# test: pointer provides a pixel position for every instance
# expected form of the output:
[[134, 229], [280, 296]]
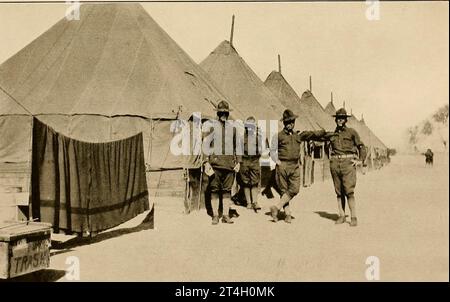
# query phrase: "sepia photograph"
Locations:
[[224, 142]]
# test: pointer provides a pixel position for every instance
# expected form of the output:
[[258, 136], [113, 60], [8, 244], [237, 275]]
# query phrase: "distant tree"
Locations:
[[412, 132], [441, 116], [427, 128]]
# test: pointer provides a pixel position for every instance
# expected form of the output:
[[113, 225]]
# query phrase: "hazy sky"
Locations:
[[394, 70]]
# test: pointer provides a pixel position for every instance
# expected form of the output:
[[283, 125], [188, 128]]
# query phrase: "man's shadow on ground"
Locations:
[[327, 215], [67, 246]]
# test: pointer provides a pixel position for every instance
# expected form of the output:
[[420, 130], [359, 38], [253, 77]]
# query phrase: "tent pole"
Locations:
[[200, 188], [310, 83], [30, 162], [323, 162], [232, 31], [110, 127], [201, 174], [279, 64], [187, 205]]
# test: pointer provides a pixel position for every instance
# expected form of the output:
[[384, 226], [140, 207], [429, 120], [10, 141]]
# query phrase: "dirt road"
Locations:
[[403, 220]]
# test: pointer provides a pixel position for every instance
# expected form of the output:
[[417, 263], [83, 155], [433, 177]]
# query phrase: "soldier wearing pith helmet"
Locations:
[[346, 152]]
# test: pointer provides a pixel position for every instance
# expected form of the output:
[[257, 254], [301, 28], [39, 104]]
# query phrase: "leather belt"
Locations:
[[337, 156]]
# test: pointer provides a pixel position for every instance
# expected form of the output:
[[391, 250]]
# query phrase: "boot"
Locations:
[[215, 220], [353, 222], [274, 213], [256, 206], [267, 192], [233, 213], [340, 220], [288, 219], [227, 219], [249, 206]]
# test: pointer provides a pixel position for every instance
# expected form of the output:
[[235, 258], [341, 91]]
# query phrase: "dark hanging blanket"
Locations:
[[79, 186]]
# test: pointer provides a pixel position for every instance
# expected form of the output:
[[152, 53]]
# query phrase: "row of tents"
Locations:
[[116, 72]]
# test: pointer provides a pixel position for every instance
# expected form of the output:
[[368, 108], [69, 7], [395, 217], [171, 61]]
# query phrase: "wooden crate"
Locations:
[[24, 248]]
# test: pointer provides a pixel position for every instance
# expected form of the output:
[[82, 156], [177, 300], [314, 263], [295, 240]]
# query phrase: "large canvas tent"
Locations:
[[330, 109], [377, 142], [278, 85], [318, 112], [379, 152], [321, 161], [110, 75], [240, 84]]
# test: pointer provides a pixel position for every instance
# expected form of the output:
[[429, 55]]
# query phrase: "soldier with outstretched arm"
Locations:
[[285, 152]]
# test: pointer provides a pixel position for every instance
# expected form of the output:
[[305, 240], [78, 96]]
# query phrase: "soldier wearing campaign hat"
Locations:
[[285, 152], [346, 152], [223, 167], [250, 170]]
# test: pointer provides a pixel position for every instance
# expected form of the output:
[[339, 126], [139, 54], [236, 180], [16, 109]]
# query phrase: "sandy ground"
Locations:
[[403, 215]]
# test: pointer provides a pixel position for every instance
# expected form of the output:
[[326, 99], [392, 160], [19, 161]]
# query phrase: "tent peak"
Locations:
[[307, 93], [330, 109], [224, 48], [274, 74]]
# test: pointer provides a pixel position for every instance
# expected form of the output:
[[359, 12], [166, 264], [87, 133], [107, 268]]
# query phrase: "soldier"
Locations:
[[223, 166], [428, 157], [250, 171], [285, 152], [346, 152]]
